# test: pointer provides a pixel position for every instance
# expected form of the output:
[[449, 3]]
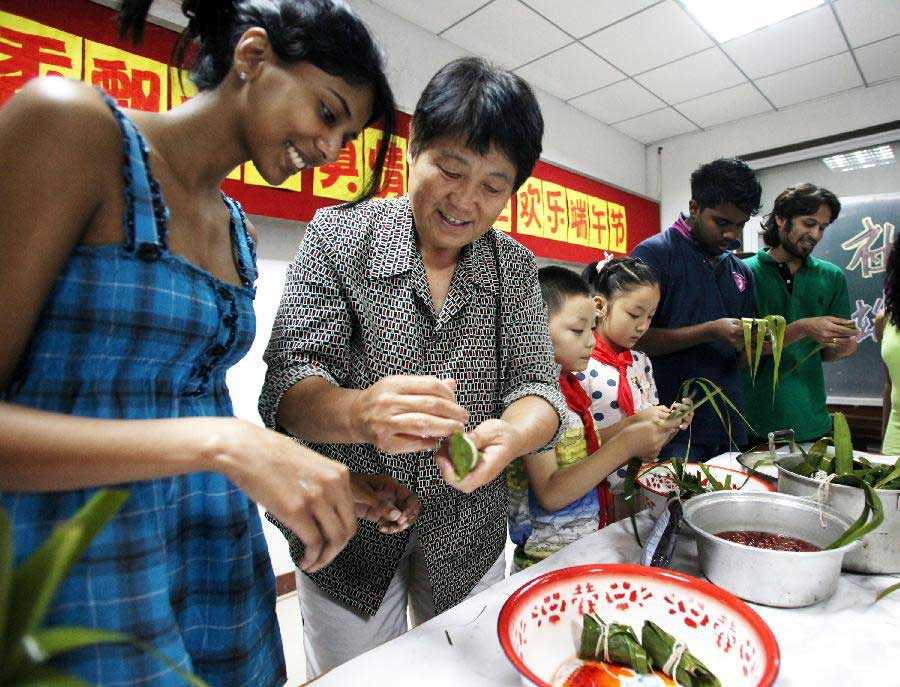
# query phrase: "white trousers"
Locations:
[[334, 633]]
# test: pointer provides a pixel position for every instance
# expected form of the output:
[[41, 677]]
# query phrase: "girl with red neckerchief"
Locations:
[[619, 380]]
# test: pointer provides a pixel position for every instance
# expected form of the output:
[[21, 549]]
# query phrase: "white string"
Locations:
[[678, 649], [822, 496], [602, 637]]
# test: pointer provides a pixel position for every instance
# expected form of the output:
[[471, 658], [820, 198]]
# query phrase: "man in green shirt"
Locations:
[[812, 296]]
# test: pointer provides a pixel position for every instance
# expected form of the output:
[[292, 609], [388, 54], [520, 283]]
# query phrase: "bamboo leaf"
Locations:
[[778, 325], [747, 326], [628, 488], [717, 391], [44, 644], [891, 476], [860, 527], [843, 446], [888, 590], [44, 676], [36, 580], [761, 330], [34, 590], [717, 486], [58, 640]]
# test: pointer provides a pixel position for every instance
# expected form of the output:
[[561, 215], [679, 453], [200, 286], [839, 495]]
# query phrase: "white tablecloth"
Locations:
[[846, 640]]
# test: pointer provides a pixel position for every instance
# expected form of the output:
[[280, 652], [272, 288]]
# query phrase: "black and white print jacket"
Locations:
[[356, 307]]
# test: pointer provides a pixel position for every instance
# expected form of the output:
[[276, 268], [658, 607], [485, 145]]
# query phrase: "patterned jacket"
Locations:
[[356, 308]]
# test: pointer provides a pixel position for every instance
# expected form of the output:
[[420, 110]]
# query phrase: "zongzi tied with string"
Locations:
[[612, 643], [672, 657]]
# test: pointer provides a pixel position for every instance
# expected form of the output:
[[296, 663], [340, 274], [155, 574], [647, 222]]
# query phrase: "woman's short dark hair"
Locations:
[[726, 180], [325, 33], [618, 274], [558, 284], [484, 106], [795, 201]]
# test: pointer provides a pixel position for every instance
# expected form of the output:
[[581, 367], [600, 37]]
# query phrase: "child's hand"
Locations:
[[660, 413], [687, 407], [647, 437]]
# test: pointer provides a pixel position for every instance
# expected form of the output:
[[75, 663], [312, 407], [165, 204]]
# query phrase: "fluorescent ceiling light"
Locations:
[[860, 159], [727, 19]]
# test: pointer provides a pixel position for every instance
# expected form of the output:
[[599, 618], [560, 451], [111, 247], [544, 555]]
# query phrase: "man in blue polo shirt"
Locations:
[[704, 291]]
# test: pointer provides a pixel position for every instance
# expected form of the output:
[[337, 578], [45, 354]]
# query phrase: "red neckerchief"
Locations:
[[579, 402], [620, 361]]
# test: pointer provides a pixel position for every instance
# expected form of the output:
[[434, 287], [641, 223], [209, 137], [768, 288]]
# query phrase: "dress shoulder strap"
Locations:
[[146, 216], [245, 248]]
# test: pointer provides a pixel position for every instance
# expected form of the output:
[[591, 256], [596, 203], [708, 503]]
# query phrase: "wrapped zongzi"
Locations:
[[463, 454], [673, 658], [613, 643]]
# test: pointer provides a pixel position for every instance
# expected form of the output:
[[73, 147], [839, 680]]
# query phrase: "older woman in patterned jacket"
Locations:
[[402, 321]]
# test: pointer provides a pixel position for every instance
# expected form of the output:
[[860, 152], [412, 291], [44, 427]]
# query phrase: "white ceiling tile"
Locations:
[[434, 16], [581, 17], [692, 76], [824, 77], [656, 126], [866, 21], [800, 39], [649, 39], [508, 33], [725, 106], [881, 60], [617, 102], [571, 71]]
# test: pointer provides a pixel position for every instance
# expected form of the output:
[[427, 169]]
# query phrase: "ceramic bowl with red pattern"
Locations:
[[656, 482], [540, 624]]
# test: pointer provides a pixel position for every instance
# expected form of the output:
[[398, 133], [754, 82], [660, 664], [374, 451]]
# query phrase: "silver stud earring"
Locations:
[[243, 76]]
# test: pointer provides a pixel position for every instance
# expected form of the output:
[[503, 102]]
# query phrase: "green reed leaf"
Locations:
[[843, 446], [887, 590], [761, 331], [872, 504], [890, 477], [747, 326], [628, 489]]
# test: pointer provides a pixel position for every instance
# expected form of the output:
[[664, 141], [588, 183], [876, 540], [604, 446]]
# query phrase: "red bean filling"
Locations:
[[767, 540]]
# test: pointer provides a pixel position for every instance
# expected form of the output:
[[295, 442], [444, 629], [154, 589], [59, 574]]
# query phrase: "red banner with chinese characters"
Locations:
[[557, 214]]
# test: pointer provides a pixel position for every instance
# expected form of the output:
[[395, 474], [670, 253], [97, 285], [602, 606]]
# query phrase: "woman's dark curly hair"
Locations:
[[325, 33]]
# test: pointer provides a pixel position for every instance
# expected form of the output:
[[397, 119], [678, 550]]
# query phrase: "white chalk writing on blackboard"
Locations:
[[864, 318], [869, 258]]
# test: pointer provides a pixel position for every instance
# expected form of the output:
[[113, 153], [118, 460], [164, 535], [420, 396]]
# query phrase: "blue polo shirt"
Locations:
[[693, 291]]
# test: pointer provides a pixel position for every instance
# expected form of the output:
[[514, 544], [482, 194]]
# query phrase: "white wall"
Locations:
[[855, 109], [572, 139]]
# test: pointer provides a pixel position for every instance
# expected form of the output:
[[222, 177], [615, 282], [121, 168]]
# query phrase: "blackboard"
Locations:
[[858, 242]]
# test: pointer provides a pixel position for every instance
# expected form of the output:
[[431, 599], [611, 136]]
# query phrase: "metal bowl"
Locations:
[[786, 579], [880, 550]]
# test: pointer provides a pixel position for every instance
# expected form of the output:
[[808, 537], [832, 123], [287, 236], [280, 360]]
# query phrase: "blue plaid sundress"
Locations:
[[132, 331]]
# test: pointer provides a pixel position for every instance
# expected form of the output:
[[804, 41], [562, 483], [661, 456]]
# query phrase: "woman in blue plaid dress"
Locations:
[[117, 336]]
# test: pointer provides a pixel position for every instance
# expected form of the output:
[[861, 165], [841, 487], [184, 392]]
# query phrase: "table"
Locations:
[[846, 637]]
